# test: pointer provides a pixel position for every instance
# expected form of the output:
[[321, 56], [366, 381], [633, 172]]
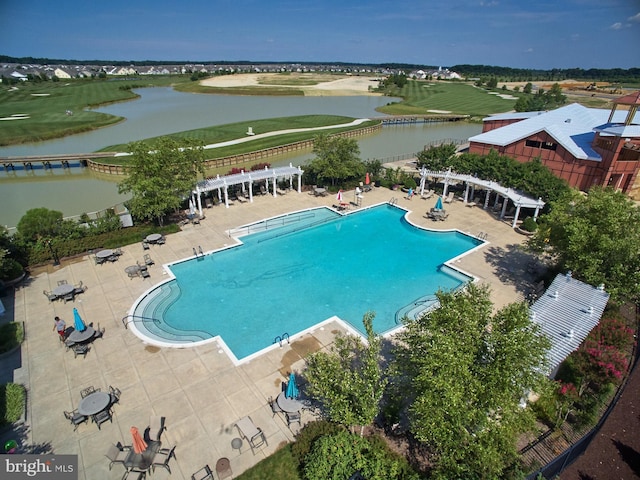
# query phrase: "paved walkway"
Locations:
[[198, 390]]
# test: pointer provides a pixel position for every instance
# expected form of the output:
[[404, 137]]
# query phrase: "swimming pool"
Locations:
[[299, 270]]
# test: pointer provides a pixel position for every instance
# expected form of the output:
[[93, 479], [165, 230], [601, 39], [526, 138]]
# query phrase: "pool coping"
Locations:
[[223, 347]]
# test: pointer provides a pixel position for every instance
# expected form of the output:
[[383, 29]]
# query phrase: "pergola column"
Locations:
[[226, 195]]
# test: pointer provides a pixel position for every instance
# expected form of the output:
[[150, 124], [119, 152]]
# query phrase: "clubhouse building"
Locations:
[[584, 146]]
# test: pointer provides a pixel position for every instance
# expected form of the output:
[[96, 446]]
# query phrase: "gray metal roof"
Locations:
[[566, 313], [244, 177], [572, 126]]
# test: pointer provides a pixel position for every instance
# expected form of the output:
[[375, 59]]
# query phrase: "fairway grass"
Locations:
[[421, 97], [48, 104]]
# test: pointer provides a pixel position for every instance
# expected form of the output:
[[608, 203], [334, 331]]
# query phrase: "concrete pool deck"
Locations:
[[199, 391]]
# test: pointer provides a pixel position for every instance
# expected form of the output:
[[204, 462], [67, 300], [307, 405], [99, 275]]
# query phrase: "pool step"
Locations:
[[154, 306]]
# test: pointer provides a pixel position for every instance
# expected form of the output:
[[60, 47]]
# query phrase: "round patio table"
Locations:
[[289, 405], [81, 336], [154, 237], [62, 290], [105, 253], [94, 403], [131, 269]]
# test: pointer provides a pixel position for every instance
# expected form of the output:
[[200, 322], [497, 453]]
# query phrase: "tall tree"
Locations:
[[597, 237], [161, 176], [349, 381], [465, 372], [337, 159]]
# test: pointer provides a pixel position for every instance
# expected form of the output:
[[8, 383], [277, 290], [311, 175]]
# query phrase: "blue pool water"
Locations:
[[317, 264]]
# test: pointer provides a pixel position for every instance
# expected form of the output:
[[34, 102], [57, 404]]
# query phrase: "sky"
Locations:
[[536, 34]]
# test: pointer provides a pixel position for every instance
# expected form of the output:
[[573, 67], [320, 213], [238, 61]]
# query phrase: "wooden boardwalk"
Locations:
[[48, 161]]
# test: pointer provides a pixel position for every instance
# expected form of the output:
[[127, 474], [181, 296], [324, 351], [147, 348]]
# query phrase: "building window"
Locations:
[[532, 143], [549, 145]]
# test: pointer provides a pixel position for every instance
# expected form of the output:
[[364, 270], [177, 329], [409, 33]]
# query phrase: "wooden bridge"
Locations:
[[413, 119], [48, 161]]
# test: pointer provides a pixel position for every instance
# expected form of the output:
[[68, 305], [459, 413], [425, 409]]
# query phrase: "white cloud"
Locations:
[[529, 50], [635, 18], [492, 3], [616, 26]]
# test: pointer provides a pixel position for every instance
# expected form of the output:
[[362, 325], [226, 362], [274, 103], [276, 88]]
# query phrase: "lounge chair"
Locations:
[[449, 198], [204, 473], [254, 435], [208, 203], [148, 260], [426, 195], [280, 191], [145, 245], [144, 273]]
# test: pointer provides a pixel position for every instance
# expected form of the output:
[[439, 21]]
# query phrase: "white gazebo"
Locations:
[[519, 199], [246, 180]]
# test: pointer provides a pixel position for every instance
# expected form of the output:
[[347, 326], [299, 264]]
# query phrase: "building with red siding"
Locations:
[[584, 146]]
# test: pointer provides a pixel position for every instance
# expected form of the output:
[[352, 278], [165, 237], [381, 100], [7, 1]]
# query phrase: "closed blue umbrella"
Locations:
[[439, 204], [79, 324], [292, 388]]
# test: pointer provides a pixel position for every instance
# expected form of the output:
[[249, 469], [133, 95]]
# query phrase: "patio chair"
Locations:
[[148, 260], [118, 251], [80, 349], [69, 297], [85, 392], [162, 457], [99, 260], [155, 428], [145, 245], [50, 295], [162, 241], [79, 288], [145, 273], [114, 393], [101, 417], [263, 191], [204, 473], [293, 417], [117, 454], [99, 332], [254, 435], [62, 282], [75, 418], [208, 203], [134, 475], [275, 408]]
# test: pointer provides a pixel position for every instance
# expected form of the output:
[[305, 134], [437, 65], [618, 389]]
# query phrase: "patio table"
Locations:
[[79, 337], [154, 237], [62, 290], [94, 403], [105, 253], [142, 461], [132, 269], [289, 405]]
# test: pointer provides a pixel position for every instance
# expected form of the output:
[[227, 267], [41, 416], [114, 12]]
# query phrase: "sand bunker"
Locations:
[[438, 111], [40, 94], [341, 86]]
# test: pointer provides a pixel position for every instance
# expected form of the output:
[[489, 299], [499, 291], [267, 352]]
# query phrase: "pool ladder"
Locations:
[[393, 201], [197, 253], [482, 235], [281, 338]]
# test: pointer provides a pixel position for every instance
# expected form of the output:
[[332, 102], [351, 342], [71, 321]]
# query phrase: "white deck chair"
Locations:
[[254, 435]]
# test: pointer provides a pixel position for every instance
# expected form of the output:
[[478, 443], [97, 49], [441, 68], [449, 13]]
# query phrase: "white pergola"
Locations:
[[519, 199], [246, 180]]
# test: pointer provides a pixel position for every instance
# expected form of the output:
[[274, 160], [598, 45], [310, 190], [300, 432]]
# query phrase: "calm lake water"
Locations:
[[160, 111]]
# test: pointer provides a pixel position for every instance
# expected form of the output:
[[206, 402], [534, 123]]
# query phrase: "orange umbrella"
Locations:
[[139, 445], [367, 180]]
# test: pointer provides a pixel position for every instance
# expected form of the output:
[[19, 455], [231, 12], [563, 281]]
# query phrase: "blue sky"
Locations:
[[513, 33]]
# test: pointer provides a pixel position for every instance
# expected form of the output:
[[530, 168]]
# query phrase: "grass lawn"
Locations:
[[459, 98], [39, 110], [223, 133]]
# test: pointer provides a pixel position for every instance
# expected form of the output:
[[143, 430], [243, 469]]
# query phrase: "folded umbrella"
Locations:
[[292, 388], [77, 320], [139, 445]]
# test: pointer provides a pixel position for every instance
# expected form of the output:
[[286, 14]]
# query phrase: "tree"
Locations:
[[348, 381], [465, 373], [527, 88], [39, 223], [438, 157], [337, 159], [597, 237], [160, 177]]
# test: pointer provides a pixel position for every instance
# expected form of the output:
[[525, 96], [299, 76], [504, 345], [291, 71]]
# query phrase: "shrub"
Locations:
[[409, 182], [10, 269], [529, 224], [340, 455], [14, 400], [11, 335], [309, 434]]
